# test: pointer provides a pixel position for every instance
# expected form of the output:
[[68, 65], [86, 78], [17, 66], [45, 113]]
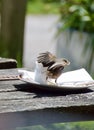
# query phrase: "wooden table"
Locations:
[[23, 104], [7, 63]]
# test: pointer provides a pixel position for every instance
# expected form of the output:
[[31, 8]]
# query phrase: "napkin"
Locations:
[[76, 77], [40, 73]]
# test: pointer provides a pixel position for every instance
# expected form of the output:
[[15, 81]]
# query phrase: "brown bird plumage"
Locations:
[[54, 66]]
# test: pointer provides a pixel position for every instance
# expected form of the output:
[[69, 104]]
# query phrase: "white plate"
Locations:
[[28, 77]]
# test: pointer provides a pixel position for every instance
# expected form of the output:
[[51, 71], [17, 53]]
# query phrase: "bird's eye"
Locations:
[[65, 60]]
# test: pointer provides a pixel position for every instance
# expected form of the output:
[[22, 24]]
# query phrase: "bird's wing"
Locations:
[[56, 67], [46, 58]]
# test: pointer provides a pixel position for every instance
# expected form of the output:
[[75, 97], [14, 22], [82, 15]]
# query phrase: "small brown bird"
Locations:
[[54, 66]]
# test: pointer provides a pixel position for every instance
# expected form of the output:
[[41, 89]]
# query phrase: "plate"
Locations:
[[28, 77]]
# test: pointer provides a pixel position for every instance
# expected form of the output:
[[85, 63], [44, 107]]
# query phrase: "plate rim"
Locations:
[[53, 86]]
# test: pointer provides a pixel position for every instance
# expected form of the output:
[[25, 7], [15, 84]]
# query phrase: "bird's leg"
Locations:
[[49, 82], [55, 80], [46, 78]]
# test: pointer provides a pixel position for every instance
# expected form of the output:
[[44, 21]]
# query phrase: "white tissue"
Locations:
[[71, 77], [40, 73]]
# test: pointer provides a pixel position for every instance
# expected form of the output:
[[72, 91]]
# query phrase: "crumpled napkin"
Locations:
[[75, 78]]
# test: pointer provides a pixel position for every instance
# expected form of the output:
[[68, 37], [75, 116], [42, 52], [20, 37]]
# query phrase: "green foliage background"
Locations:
[[43, 7], [62, 126]]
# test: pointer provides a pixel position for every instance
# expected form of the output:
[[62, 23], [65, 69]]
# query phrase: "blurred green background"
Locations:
[[75, 14], [62, 126]]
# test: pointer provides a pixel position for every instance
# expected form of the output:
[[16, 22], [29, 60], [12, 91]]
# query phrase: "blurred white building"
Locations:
[[39, 36]]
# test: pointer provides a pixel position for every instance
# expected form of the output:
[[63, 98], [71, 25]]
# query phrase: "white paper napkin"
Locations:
[[75, 78], [40, 73]]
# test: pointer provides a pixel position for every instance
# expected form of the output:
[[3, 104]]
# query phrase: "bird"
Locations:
[[55, 66]]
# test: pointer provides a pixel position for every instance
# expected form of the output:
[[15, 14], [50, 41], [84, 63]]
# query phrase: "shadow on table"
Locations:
[[42, 91]]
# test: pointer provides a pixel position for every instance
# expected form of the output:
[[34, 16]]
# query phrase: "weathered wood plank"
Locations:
[[24, 101], [10, 121], [6, 63], [17, 93]]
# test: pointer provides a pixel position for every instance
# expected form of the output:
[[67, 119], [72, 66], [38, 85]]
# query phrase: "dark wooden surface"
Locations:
[[24, 104], [16, 93], [6, 63]]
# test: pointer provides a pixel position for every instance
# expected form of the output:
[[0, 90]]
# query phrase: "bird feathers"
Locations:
[[54, 66], [47, 59]]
